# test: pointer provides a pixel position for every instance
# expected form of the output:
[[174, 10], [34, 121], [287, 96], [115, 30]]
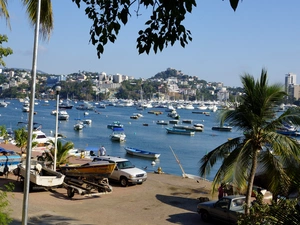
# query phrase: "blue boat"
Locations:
[[288, 129], [115, 124], [141, 153], [9, 160], [179, 131]]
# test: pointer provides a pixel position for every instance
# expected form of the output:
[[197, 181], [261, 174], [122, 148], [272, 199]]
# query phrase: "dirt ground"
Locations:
[[162, 199]]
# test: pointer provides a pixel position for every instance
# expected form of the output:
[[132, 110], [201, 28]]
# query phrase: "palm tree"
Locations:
[[62, 156], [21, 136], [3, 133], [260, 145], [46, 16]]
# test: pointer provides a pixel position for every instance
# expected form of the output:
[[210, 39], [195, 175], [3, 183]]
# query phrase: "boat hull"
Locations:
[[141, 153], [119, 138], [43, 178], [102, 170], [180, 131], [222, 128]]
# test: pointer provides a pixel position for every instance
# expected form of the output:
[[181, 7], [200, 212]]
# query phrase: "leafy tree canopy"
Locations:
[[4, 51], [164, 27]]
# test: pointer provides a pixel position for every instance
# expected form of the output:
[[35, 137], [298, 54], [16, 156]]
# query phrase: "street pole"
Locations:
[[30, 121], [57, 90]]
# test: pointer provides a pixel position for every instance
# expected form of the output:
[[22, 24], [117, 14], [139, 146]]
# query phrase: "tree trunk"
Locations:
[[250, 182]]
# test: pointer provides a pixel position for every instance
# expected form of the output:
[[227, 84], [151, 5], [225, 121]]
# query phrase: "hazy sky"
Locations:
[[225, 45]]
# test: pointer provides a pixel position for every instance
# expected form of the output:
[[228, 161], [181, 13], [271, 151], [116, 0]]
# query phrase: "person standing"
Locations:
[[221, 191], [102, 151]]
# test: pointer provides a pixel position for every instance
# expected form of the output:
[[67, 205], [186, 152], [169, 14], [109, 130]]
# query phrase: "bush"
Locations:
[[4, 204]]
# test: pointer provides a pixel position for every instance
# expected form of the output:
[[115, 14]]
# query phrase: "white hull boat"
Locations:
[[40, 175]]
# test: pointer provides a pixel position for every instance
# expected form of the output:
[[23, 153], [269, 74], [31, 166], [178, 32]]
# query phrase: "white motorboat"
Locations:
[[40, 175], [41, 138], [3, 104], [87, 121], [63, 115], [202, 107], [118, 135], [189, 106], [79, 125]]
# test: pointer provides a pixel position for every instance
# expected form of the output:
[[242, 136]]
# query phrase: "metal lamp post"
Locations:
[[57, 90]]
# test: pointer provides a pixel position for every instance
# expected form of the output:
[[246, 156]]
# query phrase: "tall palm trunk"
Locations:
[[251, 181]]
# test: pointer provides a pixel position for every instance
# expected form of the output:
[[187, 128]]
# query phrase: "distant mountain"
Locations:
[[22, 69]]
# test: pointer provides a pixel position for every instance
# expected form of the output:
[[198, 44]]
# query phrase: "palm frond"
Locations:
[[4, 12], [46, 16]]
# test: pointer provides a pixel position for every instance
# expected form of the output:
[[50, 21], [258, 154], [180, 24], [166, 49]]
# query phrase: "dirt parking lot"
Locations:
[[162, 199]]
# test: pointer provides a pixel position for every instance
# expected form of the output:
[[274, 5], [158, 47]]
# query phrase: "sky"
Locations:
[[225, 46]]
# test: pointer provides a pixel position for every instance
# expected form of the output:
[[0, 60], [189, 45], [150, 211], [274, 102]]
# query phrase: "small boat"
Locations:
[[65, 105], [162, 122], [174, 121], [198, 125], [79, 125], [115, 124], [155, 112], [288, 129], [85, 106], [89, 170], [206, 113], [118, 135], [174, 115], [25, 109], [145, 124], [141, 153], [138, 115], [101, 106], [3, 104], [192, 128], [180, 131], [40, 175], [63, 115], [135, 117], [222, 128], [87, 121], [187, 121], [86, 113]]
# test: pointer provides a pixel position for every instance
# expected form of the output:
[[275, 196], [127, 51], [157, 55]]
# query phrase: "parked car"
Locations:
[[125, 172], [225, 210]]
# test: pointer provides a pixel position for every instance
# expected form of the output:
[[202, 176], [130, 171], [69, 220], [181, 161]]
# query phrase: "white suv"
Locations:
[[125, 172]]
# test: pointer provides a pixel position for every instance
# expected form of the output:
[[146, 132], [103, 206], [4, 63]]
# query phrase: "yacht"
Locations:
[[63, 115]]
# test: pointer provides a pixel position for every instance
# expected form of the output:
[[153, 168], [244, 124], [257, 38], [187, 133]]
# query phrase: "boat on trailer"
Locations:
[[40, 175], [142, 153], [83, 179]]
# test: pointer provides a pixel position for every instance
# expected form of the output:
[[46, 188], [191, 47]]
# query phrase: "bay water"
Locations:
[[188, 149]]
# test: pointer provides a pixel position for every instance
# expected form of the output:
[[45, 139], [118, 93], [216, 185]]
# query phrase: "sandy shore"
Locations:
[[162, 199]]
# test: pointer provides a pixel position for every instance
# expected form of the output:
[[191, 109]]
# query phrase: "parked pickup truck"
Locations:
[[225, 210]]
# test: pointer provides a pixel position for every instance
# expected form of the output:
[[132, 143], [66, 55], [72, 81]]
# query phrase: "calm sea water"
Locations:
[[188, 149]]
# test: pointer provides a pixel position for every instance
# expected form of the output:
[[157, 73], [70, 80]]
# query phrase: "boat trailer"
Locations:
[[86, 186]]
